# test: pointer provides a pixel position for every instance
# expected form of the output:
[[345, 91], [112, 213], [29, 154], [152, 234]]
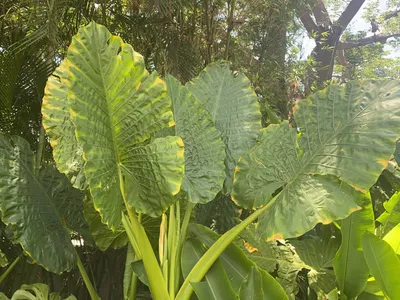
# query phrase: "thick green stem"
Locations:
[[182, 237], [133, 287], [9, 269], [171, 251], [185, 223], [173, 235], [130, 278], [211, 255], [131, 236], [134, 280], [88, 283], [140, 240], [163, 247], [137, 235]]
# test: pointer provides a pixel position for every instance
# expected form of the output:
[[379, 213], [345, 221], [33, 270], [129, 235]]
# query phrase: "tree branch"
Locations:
[[342, 58], [349, 13], [366, 41], [321, 13], [307, 21], [391, 14]]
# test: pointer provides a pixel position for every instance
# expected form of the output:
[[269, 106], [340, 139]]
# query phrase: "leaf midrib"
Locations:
[[199, 255], [117, 159], [217, 104], [378, 266], [347, 252], [326, 142], [46, 196]]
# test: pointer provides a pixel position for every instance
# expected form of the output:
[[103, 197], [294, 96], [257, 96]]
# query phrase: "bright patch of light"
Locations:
[[78, 243]]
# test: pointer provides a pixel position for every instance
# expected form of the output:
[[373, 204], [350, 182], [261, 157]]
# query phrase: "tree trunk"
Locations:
[[327, 35]]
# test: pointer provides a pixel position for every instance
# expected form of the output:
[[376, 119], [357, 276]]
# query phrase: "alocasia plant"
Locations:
[[132, 145]]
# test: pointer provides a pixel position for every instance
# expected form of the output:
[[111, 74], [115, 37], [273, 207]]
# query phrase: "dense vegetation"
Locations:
[[167, 153]]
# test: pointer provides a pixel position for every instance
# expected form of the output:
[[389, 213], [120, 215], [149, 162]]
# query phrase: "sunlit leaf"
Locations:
[[383, 264], [393, 238], [235, 262], [233, 106], [216, 283], [391, 217], [116, 106], [67, 152], [347, 136], [204, 149], [350, 267]]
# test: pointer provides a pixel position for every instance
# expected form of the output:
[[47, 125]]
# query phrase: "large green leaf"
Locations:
[[204, 149], [103, 236], [391, 217], [347, 135], [67, 153], [252, 286], [257, 286], [383, 264], [216, 284], [393, 239], [56, 121], [116, 106], [42, 210], [235, 262], [233, 107], [350, 267]]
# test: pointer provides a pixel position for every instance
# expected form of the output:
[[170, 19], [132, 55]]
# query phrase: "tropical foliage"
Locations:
[[124, 162]]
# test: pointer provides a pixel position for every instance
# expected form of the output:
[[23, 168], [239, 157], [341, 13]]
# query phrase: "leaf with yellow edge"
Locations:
[[347, 135], [116, 107], [67, 152]]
